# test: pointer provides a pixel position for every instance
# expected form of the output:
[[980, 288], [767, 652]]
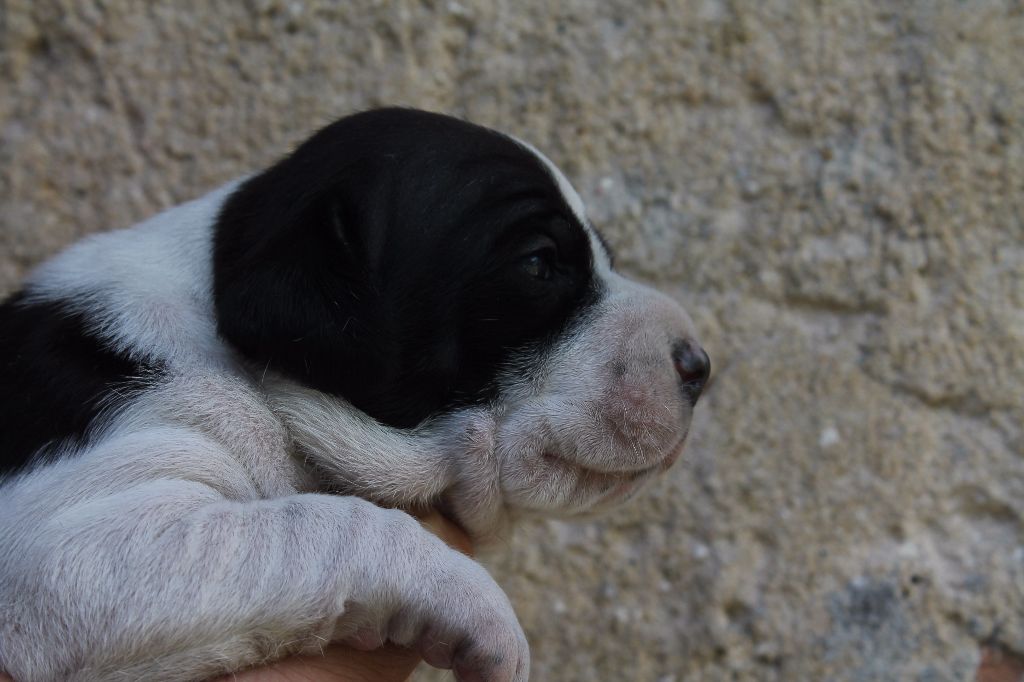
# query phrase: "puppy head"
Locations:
[[415, 265]]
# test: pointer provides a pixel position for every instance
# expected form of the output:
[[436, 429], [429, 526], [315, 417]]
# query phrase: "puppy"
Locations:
[[205, 416]]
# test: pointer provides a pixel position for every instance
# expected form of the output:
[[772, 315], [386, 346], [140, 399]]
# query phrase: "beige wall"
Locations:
[[834, 189]]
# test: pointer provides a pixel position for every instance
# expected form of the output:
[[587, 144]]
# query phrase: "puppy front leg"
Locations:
[[395, 467], [168, 580]]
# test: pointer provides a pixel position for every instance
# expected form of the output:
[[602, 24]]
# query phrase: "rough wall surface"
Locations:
[[834, 190]]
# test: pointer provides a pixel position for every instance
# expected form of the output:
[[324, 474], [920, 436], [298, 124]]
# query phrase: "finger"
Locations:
[[338, 663], [440, 526]]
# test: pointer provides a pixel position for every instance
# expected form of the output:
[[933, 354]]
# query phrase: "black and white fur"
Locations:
[[200, 412]]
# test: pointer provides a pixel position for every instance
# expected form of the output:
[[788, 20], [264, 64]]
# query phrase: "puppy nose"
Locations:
[[693, 366]]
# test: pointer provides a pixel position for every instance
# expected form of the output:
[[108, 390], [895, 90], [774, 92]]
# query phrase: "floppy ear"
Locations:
[[299, 287], [292, 289]]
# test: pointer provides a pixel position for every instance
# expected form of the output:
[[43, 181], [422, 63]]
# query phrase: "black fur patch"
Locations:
[[399, 259], [55, 377]]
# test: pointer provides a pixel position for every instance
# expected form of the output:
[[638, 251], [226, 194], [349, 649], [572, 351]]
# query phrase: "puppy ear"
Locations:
[[291, 290], [341, 227], [300, 288], [352, 208]]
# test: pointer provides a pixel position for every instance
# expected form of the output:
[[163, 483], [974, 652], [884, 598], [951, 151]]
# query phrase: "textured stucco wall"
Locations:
[[834, 189]]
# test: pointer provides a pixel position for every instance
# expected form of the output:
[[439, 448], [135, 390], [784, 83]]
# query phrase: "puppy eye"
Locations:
[[539, 264]]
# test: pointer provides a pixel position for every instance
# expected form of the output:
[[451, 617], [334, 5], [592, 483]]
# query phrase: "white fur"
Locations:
[[144, 285], [195, 508]]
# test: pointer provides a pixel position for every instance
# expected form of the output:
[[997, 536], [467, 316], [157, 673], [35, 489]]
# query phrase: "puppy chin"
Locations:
[[539, 483]]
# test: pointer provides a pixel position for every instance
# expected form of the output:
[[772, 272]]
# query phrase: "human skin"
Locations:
[[340, 663]]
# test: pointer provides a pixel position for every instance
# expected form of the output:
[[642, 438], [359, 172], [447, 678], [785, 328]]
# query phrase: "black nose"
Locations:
[[693, 366]]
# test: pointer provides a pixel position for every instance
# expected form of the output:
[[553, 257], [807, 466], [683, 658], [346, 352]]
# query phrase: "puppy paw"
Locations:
[[494, 649], [467, 626]]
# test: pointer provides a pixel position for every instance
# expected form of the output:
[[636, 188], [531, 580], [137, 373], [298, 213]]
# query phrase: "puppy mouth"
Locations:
[[632, 482], [620, 473], [675, 453]]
